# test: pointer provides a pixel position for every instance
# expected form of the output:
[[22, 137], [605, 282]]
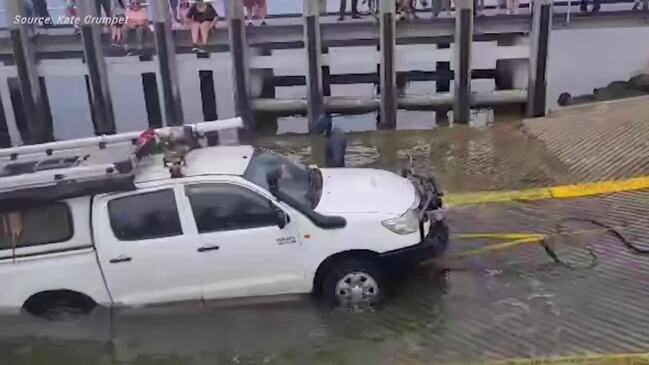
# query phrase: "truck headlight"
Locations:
[[405, 224]]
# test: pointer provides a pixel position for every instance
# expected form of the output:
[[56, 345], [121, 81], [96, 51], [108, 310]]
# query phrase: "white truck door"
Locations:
[[244, 250], [145, 256]]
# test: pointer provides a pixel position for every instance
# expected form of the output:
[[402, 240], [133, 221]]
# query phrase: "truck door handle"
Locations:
[[209, 248], [119, 259]]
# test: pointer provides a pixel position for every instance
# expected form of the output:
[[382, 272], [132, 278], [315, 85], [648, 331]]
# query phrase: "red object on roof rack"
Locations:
[[145, 143]]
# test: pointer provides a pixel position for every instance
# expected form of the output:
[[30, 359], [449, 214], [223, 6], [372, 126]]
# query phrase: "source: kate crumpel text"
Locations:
[[69, 20]]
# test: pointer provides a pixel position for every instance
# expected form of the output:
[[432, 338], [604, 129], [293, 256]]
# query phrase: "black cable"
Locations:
[[550, 251], [610, 230], [595, 260], [613, 231]]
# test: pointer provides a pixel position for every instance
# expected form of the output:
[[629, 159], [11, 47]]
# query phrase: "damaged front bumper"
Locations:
[[432, 225], [434, 244]]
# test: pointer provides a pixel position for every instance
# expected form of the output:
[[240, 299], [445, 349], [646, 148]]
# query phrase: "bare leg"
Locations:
[[250, 13], [205, 31], [139, 34], [126, 35], [195, 28], [262, 10]]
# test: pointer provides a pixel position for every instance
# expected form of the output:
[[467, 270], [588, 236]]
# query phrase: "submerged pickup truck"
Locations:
[[215, 222]]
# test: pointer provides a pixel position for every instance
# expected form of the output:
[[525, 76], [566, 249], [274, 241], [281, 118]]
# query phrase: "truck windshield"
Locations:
[[298, 181]]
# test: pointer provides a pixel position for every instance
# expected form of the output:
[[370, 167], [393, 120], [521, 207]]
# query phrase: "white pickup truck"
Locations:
[[207, 223]]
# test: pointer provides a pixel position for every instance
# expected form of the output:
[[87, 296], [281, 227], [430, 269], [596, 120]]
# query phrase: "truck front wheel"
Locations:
[[354, 281]]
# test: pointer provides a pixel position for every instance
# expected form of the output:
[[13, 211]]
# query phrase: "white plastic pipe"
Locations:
[[203, 127]]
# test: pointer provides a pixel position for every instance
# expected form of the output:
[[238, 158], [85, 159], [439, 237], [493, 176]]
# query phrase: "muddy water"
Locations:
[[425, 322], [461, 157], [297, 332]]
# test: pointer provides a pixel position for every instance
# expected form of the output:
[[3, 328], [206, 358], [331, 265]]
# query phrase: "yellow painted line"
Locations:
[[564, 191], [598, 188], [497, 196], [640, 358], [594, 359]]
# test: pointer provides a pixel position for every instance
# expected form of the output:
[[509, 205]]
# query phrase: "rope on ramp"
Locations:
[[510, 240]]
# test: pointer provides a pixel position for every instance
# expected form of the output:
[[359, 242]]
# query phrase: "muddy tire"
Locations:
[[354, 281]]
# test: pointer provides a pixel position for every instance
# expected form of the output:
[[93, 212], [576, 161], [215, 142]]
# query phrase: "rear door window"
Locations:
[[37, 225], [145, 216]]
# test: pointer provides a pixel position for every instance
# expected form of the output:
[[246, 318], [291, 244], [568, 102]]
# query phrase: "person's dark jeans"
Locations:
[[174, 8], [40, 8], [103, 4], [596, 5], [343, 6]]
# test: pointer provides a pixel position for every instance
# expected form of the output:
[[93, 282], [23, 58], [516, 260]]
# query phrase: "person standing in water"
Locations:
[[336, 141]]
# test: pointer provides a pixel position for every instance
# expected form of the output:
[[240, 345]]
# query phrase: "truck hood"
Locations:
[[349, 190]]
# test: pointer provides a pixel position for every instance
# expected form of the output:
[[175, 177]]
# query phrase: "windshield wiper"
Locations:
[[315, 178], [315, 186]]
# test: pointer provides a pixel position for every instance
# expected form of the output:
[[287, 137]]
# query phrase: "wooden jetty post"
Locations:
[[240, 62], [166, 51], [38, 124], [462, 66], [100, 100], [539, 44], [313, 49], [388, 70]]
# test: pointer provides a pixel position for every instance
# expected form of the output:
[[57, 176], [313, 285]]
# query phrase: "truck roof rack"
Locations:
[[108, 163]]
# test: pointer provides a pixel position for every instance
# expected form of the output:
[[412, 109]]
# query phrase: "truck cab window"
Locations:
[[223, 207], [145, 216], [36, 225]]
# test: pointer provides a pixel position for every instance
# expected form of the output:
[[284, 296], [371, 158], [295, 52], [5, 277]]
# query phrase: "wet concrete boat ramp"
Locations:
[[512, 304]]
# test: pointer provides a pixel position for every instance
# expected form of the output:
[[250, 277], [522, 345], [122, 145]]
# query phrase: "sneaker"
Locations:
[[201, 49], [356, 16], [341, 18], [195, 49]]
